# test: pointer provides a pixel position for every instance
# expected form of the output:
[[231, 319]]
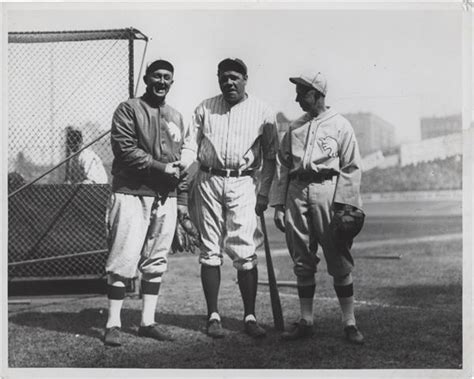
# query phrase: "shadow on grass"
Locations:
[[395, 338], [90, 322]]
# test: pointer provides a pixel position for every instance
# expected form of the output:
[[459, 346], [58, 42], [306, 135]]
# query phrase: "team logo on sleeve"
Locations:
[[329, 145], [174, 131]]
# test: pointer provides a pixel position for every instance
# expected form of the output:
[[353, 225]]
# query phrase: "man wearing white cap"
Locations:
[[317, 201]]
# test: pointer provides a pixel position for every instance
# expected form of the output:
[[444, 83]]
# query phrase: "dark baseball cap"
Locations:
[[232, 64], [159, 64]]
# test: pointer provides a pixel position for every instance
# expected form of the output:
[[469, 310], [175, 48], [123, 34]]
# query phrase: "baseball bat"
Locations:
[[274, 295]]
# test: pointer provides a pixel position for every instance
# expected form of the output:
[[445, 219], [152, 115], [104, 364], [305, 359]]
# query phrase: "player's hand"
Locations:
[[262, 204], [187, 237], [181, 165], [183, 172], [279, 217], [183, 211], [172, 169]]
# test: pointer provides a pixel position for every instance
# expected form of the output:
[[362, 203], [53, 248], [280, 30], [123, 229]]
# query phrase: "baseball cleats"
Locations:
[[301, 329], [112, 336], [214, 329], [353, 335], [155, 331], [254, 330]]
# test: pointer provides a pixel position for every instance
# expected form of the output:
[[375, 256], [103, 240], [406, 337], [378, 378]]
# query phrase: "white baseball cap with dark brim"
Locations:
[[312, 80]]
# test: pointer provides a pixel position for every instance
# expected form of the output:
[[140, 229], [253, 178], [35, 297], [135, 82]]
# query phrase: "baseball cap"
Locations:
[[159, 64], [232, 64], [314, 80]]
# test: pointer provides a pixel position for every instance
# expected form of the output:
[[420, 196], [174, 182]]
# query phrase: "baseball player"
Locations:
[[234, 133], [317, 201], [147, 136]]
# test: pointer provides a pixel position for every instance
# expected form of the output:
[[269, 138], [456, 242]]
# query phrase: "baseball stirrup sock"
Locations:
[[306, 291], [115, 297], [345, 295], [211, 280], [306, 295], [248, 280], [115, 293], [344, 291], [150, 288], [148, 309]]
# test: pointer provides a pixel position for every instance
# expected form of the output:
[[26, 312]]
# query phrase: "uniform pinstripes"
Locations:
[[228, 137], [225, 209], [225, 137]]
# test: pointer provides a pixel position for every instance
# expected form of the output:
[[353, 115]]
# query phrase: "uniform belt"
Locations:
[[226, 172], [313, 177]]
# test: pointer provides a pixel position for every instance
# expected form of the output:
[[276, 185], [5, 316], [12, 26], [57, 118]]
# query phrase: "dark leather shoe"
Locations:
[[112, 336], [214, 329], [353, 335], [301, 329], [254, 330], [156, 332]]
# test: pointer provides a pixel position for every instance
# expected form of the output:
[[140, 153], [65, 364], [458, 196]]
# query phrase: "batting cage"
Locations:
[[63, 88]]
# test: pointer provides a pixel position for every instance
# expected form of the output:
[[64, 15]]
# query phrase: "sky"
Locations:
[[398, 64]]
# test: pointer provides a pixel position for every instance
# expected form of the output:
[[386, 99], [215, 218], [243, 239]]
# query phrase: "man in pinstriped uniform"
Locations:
[[235, 135]]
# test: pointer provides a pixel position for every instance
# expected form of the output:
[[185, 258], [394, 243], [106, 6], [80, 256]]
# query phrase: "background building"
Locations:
[[373, 133], [432, 127]]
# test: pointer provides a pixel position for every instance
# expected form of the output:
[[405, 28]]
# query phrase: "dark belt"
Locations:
[[227, 172], [312, 177]]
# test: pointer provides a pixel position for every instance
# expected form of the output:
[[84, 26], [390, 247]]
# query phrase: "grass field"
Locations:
[[410, 310]]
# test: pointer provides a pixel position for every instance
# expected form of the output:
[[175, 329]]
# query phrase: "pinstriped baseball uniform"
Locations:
[[323, 145], [236, 138]]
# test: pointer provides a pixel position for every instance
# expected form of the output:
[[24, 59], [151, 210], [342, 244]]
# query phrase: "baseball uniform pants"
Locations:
[[140, 230], [307, 218], [224, 210]]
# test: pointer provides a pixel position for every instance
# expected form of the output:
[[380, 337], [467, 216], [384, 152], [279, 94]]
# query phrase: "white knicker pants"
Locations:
[[140, 230]]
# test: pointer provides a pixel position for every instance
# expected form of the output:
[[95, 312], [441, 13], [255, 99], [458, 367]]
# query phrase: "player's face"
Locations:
[[232, 84], [158, 83], [305, 97]]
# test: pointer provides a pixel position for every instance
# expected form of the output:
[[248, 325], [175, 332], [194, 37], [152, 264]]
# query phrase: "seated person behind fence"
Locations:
[[86, 167]]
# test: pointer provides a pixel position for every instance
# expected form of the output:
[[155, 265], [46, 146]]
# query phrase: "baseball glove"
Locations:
[[186, 237], [347, 221]]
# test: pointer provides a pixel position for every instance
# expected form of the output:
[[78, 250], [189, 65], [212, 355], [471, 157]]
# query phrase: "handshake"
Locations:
[[176, 170]]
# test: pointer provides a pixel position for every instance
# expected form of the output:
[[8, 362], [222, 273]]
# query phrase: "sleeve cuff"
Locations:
[[158, 166], [182, 198]]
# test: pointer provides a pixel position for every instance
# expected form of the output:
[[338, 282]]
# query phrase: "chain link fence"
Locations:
[[63, 88]]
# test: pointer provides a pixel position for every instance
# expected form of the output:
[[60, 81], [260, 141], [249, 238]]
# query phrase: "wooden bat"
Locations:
[[274, 295]]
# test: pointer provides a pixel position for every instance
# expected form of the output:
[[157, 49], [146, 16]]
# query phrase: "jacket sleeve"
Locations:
[[125, 142], [348, 184]]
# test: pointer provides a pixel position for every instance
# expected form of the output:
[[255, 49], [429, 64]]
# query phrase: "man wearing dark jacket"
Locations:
[[147, 136]]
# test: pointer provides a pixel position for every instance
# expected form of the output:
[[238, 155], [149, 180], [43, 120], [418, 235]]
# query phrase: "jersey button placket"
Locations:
[[226, 152], [308, 149], [313, 142]]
